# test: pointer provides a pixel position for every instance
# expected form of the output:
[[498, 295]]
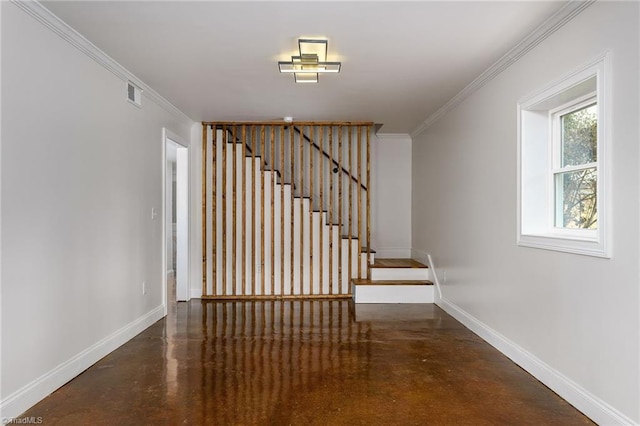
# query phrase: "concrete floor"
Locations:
[[305, 363]]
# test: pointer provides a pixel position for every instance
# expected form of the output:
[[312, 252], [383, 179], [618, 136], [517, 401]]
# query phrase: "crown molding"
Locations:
[[394, 136], [537, 36], [43, 15]]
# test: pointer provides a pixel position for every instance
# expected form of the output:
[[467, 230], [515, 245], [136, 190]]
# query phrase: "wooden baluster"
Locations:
[[350, 147], [273, 202], [301, 161], [262, 168], [214, 216], [340, 210], [244, 209], [330, 209], [360, 233], [234, 198], [293, 180], [281, 210], [204, 209], [311, 198], [321, 236], [224, 210], [254, 278], [368, 203]]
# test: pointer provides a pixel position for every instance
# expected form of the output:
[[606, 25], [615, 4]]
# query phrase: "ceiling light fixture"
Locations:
[[311, 61]]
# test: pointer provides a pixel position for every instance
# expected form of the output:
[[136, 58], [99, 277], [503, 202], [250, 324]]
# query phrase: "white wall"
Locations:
[[81, 170], [391, 196], [572, 320]]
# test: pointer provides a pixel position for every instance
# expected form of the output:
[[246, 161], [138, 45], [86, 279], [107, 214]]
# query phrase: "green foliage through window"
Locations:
[[576, 189], [580, 136]]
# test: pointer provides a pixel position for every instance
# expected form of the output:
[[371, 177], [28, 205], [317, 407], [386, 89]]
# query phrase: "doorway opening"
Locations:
[[176, 220]]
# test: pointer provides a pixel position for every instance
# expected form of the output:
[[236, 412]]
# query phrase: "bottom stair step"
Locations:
[[399, 269], [392, 291], [391, 282]]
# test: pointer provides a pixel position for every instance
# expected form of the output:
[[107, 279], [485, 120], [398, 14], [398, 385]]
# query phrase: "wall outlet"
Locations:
[[144, 287], [154, 213]]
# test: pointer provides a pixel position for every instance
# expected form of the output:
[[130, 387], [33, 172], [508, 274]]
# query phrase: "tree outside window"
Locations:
[[576, 177]]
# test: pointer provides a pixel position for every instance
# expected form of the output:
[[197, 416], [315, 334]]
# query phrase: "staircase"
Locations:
[[395, 281], [282, 217], [286, 214]]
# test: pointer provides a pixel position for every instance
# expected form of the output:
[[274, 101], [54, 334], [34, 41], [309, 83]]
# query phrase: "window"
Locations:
[[562, 165], [575, 166]]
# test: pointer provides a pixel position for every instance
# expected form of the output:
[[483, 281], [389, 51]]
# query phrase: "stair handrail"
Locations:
[[249, 148], [335, 163]]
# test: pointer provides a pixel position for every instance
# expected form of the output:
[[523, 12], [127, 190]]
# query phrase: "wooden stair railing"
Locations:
[[234, 206], [335, 163]]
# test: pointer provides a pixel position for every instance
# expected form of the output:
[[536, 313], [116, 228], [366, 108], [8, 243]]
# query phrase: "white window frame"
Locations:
[[538, 161], [555, 116]]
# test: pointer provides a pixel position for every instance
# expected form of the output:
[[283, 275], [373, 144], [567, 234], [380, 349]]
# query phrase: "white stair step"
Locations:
[[399, 269], [383, 291], [399, 274]]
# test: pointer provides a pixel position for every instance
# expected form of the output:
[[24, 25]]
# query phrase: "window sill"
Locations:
[[583, 246]]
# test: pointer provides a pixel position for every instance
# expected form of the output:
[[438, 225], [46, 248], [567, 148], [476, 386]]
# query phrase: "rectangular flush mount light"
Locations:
[[305, 77], [310, 62], [316, 67], [316, 47]]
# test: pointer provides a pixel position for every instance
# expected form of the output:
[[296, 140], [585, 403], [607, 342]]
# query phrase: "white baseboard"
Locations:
[[592, 406], [196, 293], [32, 393], [393, 252]]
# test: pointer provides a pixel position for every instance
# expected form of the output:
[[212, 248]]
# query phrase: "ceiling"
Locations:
[[401, 61]]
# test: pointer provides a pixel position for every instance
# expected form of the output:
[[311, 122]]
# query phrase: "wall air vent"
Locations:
[[134, 94]]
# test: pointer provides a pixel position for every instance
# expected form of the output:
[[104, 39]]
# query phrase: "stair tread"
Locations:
[[398, 263], [274, 171], [365, 249], [391, 282]]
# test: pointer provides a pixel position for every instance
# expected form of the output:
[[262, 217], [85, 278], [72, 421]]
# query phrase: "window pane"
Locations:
[[580, 136], [576, 199]]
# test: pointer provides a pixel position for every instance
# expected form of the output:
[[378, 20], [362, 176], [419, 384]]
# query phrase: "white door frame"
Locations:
[[183, 255]]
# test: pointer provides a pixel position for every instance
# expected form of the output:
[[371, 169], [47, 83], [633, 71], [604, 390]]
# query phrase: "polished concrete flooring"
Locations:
[[305, 363]]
